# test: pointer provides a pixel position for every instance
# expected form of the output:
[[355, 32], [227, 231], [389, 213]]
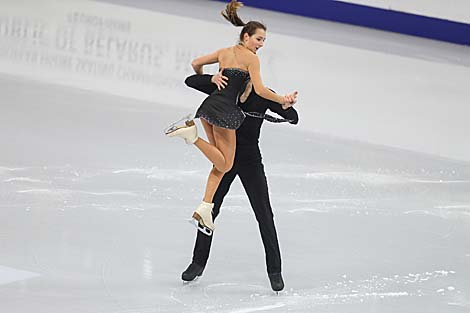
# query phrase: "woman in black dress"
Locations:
[[219, 113]]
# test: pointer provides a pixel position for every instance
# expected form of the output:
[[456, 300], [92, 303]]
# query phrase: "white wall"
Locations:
[[346, 92], [454, 10]]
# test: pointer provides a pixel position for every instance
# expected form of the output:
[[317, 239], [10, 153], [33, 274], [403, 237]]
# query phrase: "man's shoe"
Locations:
[[277, 284], [192, 272]]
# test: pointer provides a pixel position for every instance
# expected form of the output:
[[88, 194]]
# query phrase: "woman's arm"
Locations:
[[198, 63], [289, 113], [260, 89]]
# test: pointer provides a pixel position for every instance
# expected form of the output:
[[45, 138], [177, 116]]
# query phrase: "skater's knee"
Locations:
[[217, 171], [225, 167], [222, 168]]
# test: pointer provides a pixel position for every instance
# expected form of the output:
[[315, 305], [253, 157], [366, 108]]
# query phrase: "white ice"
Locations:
[[94, 201]]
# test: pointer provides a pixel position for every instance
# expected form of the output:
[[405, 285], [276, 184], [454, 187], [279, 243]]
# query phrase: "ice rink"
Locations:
[[94, 200]]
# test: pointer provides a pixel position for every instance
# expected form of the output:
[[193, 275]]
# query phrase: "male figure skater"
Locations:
[[249, 167]]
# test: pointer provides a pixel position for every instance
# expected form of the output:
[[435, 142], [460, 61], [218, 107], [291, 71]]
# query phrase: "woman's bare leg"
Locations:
[[213, 181], [225, 141], [222, 151], [209, 129], [222, 144]]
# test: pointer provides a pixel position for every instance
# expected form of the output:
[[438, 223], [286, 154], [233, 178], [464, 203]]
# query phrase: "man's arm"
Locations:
[[289, 114], [201, 82]]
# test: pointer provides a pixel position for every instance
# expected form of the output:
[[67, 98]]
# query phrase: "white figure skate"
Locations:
[[188, 131], [203, 229], [202, 218]]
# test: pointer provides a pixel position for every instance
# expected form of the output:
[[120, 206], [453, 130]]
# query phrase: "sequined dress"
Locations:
[[221, 108]]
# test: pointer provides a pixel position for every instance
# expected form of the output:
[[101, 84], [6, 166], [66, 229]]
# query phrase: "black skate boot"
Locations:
[[277, 284], [194, 270]]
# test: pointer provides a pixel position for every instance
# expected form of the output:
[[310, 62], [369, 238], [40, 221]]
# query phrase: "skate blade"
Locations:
[[203, 229], [177, 125], [190, 282], [171, 130], [201, 221]]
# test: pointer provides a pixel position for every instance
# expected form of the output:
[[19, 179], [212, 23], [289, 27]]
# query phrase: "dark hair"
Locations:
[[230, 14]]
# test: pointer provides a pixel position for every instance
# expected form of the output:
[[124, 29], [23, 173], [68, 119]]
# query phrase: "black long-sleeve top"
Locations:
[[248, 133]]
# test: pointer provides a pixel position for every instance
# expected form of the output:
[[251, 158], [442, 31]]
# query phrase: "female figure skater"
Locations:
[[219, 113], [249, 167]]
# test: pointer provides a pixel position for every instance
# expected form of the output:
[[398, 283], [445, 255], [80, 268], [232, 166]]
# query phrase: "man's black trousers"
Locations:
[[253, 179]]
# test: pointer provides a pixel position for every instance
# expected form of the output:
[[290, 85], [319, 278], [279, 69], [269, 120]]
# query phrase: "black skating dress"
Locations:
[[221, 107]]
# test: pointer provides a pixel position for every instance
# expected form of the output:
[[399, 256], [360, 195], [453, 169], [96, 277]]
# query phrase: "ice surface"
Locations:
[[94, 199]]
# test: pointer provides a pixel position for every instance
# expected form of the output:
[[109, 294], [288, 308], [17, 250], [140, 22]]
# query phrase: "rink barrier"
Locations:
[[366, 16]]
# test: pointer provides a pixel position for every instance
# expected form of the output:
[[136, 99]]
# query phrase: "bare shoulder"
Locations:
[[224, 51], [252, 58]]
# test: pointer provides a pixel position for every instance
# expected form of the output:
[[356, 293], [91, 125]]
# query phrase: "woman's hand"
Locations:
[[220, 80], [289, 100]]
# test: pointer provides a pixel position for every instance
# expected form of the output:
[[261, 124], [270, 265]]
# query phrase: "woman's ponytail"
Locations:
[[230, 13]]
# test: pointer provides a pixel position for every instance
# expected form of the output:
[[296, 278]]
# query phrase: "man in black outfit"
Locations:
[[248, 166]]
